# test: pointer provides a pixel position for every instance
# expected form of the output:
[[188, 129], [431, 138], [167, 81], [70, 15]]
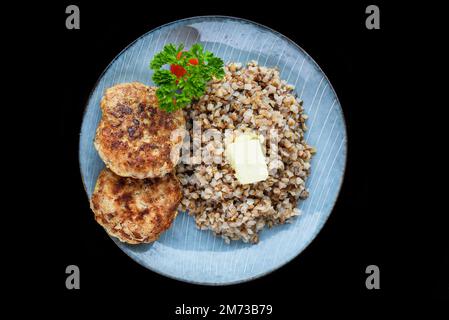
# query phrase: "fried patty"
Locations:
[[135, 210], [135, 138]]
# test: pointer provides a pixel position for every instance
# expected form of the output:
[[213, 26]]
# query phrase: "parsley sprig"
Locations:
[[187, 77]]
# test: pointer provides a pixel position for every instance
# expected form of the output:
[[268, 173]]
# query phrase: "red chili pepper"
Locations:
[[178, 56], [193, 61], [177, 70]]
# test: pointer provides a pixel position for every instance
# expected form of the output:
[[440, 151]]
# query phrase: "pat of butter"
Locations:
[[246, 158]]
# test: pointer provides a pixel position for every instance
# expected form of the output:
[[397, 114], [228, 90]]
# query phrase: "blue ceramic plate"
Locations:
[[183, 252]]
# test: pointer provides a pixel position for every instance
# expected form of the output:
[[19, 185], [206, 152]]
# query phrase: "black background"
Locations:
[[378, 218]]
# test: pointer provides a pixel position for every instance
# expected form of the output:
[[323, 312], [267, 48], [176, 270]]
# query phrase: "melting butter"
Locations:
[[247, 159]]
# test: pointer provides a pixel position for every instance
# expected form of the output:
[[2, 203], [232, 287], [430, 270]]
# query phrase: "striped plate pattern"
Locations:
[[183, 252]]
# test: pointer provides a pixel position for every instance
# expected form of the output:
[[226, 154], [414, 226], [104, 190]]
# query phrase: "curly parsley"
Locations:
[[187, 76]]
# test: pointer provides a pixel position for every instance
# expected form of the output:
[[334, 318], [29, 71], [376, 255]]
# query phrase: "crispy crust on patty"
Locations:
[[135, 211], [135, 138]]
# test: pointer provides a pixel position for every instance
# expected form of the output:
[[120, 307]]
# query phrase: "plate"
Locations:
[[184, 252]]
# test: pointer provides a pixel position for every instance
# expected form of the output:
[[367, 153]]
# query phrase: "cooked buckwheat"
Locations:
[[251, 98]]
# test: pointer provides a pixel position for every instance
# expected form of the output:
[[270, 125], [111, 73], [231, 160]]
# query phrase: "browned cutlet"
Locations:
[[135, 210], [135, 138]]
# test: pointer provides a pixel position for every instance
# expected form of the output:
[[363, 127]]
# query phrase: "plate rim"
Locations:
[[320, 225]]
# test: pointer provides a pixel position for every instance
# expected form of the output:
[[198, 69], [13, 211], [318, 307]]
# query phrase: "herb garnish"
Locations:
[[189, 73]]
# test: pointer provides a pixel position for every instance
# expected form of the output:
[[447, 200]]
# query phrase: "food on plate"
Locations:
[[187, 76], [252, 176], [135, 138], [135, 210], [248, 99], [246, 157]]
